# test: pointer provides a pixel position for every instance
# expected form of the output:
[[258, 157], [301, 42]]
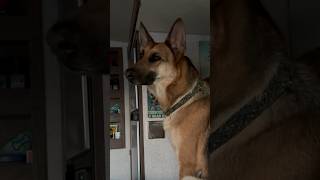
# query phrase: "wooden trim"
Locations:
[[141, 121], [38, 112], [37, 84], [211, 63], [141, 134], [98, 126], [134, 18], [106, 105]]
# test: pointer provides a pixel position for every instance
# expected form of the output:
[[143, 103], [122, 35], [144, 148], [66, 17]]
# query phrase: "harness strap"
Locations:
[[278, 86], [186, 98]]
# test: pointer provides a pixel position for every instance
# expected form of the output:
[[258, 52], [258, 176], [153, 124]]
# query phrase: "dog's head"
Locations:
[[75, 47], [158, 60]]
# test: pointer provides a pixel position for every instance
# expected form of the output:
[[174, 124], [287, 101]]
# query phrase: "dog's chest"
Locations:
[[173, 134], [175, 139]]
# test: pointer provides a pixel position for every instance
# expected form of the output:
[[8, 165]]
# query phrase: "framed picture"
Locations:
[[154, 110]]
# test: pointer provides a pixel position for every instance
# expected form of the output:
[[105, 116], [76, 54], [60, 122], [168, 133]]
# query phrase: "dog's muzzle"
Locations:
[[137, 78]]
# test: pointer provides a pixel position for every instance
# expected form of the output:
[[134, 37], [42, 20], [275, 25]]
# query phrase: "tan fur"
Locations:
[[187, 129], [284, 141], [188, 126]]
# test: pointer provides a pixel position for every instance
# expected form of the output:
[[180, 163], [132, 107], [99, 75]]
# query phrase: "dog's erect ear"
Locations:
[[144, 37], [177, 38]]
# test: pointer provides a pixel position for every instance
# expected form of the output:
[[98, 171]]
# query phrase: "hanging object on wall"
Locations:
[[156, 130]]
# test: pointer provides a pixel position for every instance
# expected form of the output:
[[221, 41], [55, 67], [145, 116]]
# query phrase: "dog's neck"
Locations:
[[167, 92], [245, 41]]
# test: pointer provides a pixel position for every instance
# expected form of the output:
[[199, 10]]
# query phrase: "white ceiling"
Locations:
[[158, 16]]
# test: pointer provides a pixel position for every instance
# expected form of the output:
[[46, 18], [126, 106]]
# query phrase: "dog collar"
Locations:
[[199, 86], [279, 85]]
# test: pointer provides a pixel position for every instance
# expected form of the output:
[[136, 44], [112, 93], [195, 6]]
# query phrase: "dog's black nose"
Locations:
[[131, 74]]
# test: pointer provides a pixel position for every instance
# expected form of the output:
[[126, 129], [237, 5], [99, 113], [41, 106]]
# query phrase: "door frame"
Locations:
[[134, 46], [133, 54]]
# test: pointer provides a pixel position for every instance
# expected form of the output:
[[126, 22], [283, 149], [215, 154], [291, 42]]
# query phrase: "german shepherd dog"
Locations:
[[266, 105], [174, 82]]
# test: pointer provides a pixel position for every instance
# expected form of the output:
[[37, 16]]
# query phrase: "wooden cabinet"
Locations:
[[22, 105]]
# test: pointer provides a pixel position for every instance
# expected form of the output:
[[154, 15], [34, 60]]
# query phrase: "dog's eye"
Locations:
[[154, 57]]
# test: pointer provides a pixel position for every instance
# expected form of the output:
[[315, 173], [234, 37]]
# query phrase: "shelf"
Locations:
[[15, 101], [15, 28], [117, 143]]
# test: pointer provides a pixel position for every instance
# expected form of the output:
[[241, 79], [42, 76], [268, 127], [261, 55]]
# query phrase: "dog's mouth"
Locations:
[[137, 79]]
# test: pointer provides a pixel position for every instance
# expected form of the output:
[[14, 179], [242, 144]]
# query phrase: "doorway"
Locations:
[[153, 157]]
